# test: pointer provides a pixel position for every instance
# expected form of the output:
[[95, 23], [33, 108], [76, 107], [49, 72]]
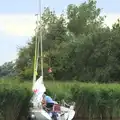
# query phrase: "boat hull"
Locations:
[[40, 114]]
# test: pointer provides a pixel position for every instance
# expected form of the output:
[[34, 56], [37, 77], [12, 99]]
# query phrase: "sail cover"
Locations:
[[38, 89]]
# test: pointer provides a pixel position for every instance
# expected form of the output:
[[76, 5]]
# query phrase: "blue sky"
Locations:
[[17, 21]]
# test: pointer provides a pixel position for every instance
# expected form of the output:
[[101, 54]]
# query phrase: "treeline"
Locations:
[[14, 101], [8, 70], [77, 46]]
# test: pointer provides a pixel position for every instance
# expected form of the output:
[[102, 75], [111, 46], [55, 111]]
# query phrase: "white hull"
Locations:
[[68, 114], [41, 114]]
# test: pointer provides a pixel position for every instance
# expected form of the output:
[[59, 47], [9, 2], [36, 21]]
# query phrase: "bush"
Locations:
[[97, 101], [14, 101], [59, 89], [93, 101]]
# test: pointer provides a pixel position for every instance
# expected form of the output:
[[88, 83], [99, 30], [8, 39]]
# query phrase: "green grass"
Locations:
[[14, 100], [60, 89], [93, 100]]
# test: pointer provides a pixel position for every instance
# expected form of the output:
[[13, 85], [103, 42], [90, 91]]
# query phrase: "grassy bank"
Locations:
[[14, 101], [93, 101]]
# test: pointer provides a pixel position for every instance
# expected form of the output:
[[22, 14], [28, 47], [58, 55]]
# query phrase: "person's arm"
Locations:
[[43, 102]]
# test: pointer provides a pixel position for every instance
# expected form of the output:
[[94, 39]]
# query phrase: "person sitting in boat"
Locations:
[[48, 101]]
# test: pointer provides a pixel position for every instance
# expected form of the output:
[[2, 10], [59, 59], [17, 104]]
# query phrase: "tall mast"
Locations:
[[38, 42], [41, 44], [36, 52]]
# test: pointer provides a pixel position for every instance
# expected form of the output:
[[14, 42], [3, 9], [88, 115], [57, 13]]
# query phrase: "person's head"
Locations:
[[45, 92]]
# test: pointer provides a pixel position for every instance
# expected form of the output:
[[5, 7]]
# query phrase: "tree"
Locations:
[[84, 18], [80, 47], [8, 69], [54, 33]]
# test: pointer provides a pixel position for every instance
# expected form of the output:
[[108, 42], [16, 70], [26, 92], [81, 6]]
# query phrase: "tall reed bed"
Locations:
[[14, 101], [97, 101], [93, 101]]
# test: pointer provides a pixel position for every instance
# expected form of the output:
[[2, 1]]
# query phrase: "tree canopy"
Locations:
[[77, 45]]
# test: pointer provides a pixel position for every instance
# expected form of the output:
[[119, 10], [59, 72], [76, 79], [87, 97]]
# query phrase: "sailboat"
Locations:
[[37, 112]]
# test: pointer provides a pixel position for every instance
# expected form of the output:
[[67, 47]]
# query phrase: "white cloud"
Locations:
[[15, 28], [111, 18], [17, 24], [24, 24]]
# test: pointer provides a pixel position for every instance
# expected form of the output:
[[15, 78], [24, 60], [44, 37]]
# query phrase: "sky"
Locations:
[[17, 21]]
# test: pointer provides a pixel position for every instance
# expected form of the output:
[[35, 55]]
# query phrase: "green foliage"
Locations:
[[59, 89], [97, 101], [84, 18], [7, 69], [77, 45], [14, 101], [93, 101]]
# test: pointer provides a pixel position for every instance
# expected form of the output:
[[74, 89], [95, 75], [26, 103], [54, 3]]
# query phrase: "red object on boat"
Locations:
[[35, 91], [56, 108], [50, 70]]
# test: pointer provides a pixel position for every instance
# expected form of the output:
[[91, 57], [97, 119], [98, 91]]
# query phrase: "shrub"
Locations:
[[59, 89], [14, 101], [97, 101], [93, 101]]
